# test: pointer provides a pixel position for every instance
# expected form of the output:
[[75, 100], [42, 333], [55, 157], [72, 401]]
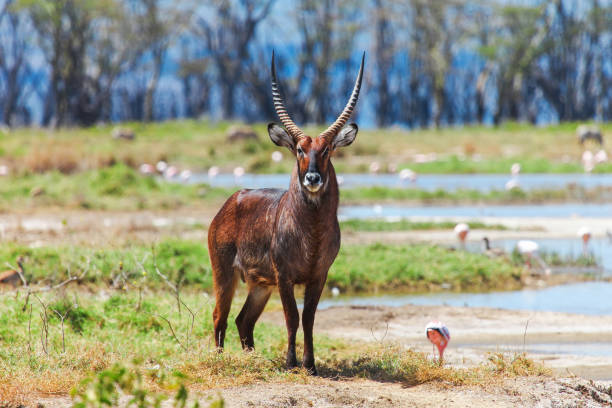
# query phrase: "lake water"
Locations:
[[544, 210], [429, 182], [571, 298]]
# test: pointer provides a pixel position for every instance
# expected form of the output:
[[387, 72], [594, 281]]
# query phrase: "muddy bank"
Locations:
[[477, 331]]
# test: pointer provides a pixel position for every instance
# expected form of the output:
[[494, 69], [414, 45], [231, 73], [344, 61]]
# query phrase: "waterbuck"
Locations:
[[281, 238]]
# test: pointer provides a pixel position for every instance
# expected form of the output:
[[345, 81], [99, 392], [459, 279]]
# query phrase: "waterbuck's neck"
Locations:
[[325, 201]]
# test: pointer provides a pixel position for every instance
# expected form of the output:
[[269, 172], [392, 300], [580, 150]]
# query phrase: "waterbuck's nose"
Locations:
[[313, 178]]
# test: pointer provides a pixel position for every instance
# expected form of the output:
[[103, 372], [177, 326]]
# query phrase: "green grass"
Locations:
[[380, 267], [358, 268], [201, 144], [379, 225], [113, 188]]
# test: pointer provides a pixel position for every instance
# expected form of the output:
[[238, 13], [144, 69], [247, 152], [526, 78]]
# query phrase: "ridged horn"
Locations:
[[348, 109], [281, 111]]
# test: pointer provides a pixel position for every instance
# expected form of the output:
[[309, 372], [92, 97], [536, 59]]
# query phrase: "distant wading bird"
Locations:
[[529, 249], [462, 230], [281, 238], [492, 252]]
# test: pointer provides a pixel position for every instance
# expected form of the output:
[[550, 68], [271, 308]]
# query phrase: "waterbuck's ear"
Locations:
[[346, 136], [280, 137]]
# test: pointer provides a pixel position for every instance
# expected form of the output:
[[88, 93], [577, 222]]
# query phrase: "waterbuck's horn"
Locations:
[[281, 111], [348, 109]]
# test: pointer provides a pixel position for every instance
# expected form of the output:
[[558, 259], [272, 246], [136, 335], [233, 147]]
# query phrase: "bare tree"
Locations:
[[15, 68], [228, 29]]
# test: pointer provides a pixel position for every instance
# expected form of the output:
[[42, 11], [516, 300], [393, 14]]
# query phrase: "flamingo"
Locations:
[[277, 156], [439, 335], [238, 172], [462, 230], [529, 249], [213, 172], [146, 169], [588, 161], [374, 167], [161, 166], [407, 174], [185, 175], [585, 234]]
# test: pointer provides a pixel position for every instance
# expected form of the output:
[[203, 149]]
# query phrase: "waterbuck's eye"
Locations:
[[300, 151]]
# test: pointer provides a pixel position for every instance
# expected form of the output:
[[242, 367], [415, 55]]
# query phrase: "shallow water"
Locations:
[[429, 182], [566, 248], [545, 210], [571, 298], [581, 349]]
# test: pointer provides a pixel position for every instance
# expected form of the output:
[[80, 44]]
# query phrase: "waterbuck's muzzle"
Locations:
[[313, 181]]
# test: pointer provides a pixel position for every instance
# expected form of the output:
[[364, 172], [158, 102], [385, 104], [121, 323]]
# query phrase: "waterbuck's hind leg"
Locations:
[[253, 306], [312, 294], [225, 279]]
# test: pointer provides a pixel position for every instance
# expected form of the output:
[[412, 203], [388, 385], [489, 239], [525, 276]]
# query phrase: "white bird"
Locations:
[[340, 180], [462, 230], [588, 161], [4, 170], [335, 291], [439, 335], [170, 172], [407, 174], [277, 156], [515, 169], [146, 169], [213, 172], [585, 234], [161, 166], [374, 167], [601, 156], [185, 175], [512, 184], [529, 249], [239, 172]]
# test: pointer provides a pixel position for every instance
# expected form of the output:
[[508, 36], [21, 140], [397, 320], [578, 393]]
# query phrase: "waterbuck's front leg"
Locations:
[[312, 295], [292, 319]]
